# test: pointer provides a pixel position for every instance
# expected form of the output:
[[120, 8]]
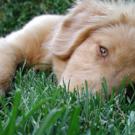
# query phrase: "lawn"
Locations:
[[36, 106]]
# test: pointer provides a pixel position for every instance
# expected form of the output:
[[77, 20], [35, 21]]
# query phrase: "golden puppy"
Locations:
[[95, 40]]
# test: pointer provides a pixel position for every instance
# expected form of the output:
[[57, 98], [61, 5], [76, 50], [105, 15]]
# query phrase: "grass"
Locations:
[[36, 106]]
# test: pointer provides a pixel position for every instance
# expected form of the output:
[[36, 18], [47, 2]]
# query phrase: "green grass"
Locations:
[[36, 106], [15, 13]]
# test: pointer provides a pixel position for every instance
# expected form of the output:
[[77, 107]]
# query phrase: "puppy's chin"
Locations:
[[80, 87]]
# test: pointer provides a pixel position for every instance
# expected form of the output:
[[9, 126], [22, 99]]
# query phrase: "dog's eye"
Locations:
[[103, 51]]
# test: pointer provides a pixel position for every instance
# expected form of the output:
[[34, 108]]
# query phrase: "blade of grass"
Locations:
[[130, 126], [10, 129], [35, 107], [49, 121], [74, 124], [105, 88], [1, 127]]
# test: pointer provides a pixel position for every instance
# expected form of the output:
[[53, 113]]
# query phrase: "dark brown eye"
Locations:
[[103, 51]]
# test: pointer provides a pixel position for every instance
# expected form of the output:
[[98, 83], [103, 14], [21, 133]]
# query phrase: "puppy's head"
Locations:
[[95, 41]]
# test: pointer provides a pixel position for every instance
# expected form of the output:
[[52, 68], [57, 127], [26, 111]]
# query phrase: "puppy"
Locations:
[[95, 40]]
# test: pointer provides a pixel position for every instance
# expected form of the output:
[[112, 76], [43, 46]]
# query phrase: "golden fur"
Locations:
[[95, 40]]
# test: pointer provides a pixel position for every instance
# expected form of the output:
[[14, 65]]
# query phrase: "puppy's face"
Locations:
[[105, 49], [108, 53]]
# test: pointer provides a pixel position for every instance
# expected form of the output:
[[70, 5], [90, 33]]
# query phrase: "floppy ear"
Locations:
[[76, 27]]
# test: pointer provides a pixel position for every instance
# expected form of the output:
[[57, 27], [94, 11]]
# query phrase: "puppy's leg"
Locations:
[[28, 44]]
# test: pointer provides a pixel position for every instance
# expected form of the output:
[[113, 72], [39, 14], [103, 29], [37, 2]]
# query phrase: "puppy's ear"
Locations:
[[76, 27]]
